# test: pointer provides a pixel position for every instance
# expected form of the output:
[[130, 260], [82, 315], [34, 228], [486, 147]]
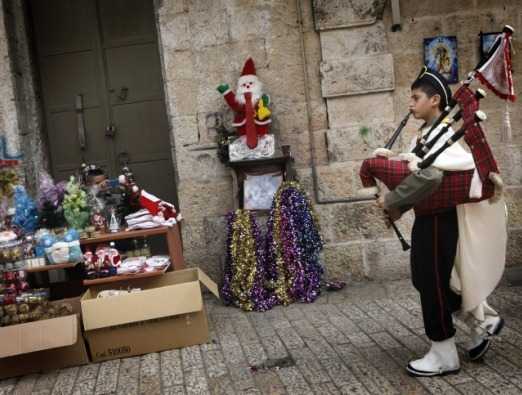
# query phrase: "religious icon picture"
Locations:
[[486, 42], [259, 190], [440, 54]]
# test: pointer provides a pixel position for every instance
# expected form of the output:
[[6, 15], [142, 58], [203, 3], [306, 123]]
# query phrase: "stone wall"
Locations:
[[9, 126], [204, 44], [25, 95], [354, 51], [339, 81], [332, 68]]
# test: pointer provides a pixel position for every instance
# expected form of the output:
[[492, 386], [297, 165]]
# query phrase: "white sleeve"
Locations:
[[413, 143], [455, 157]]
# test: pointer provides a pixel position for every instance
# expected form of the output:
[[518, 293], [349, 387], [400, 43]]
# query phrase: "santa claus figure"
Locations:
[[252, 115]]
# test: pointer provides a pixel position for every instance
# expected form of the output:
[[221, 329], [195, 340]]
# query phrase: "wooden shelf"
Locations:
[[123, 277], [130, 234], [49, 267], [276, 160], [172, 237]]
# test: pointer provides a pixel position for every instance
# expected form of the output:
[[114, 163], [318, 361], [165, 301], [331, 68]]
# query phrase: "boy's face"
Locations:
[[99, 181], [422, 106]]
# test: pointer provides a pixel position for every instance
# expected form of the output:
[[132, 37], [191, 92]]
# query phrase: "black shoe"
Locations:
[[421, 373], [495, 331], [478, 351]]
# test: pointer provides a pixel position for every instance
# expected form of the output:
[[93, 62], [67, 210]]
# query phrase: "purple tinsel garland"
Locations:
[[296, 241], [302, 244], [226, 291], [262, 298]]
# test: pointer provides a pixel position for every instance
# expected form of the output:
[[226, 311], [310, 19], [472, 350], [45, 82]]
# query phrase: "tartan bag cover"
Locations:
[[453, 190]]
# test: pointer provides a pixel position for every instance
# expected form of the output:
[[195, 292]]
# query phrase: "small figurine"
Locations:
[[114, 259], [99, 222], [89, 262], [252, 117], [130, 193], [114, 225]]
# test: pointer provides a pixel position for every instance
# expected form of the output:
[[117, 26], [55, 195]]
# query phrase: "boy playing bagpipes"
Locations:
[[459, 234]]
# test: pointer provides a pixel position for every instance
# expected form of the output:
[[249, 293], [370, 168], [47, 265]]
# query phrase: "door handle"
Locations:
[[110, 130], [123, 158], [80, 121], [124, 91], [122, 95]]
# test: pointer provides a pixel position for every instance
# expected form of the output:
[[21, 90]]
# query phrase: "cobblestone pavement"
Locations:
[[354, 341]]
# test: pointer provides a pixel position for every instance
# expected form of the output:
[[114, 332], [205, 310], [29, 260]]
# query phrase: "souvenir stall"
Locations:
[[79, 224], [98, 231]]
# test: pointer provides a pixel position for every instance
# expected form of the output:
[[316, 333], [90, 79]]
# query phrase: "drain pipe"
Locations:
[[315, 181]]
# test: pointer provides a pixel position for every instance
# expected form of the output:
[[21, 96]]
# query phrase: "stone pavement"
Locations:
[[354, 341]]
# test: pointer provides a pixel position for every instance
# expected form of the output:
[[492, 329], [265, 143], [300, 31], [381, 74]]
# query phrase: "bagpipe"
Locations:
[[463, 107]]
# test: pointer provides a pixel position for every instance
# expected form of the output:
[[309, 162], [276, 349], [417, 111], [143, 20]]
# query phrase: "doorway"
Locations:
[[102, 90]]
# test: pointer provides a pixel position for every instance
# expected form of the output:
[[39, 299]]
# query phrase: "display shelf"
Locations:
[[171, 234], [123, 277], [46, 268], [125, 234]]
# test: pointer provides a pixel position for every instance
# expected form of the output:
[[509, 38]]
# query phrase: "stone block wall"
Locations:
[[204, 44], [24, 95], [366, 73], [339, 80], [9, 126]]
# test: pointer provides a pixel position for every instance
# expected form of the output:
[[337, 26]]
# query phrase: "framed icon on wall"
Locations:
[[440, 54]]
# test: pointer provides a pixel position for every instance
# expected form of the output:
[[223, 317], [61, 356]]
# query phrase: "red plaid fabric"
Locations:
[[389, 172], [474, 137], [455, 186], [454, 189]]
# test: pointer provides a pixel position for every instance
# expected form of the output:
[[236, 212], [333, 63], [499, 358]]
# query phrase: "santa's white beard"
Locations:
[[255, 90]]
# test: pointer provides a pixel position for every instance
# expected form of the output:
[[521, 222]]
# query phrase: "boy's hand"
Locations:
[[384, 152], [499, 187], [380, 201], [390, 214], [394, 214]]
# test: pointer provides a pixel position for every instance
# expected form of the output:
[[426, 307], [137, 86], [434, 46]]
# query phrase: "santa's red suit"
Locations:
[[240, 117], [252, 118]]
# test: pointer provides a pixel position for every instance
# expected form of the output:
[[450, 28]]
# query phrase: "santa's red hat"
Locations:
[[156, 206], [249, 68]]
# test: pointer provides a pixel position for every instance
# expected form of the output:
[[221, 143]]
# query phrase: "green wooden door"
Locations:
[[102, 89]]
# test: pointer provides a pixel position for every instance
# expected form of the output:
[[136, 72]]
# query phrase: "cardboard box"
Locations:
[[43, 345], [168, 313], [38, 335]]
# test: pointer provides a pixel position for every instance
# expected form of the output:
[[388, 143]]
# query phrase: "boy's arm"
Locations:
[[413, 189]]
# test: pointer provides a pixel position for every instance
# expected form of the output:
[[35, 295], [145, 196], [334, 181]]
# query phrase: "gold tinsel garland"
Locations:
[[8, 179], [243, 252]]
